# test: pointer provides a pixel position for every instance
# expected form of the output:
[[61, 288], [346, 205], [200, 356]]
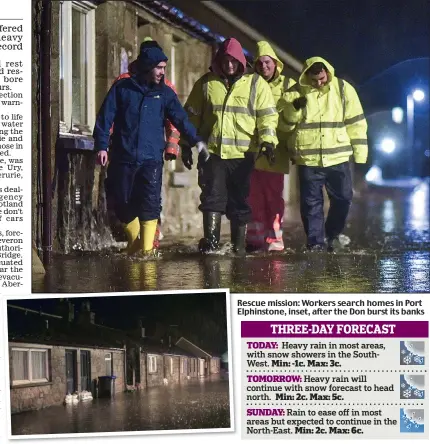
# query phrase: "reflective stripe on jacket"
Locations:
[[235, 120], [279, 84], [331, 127]]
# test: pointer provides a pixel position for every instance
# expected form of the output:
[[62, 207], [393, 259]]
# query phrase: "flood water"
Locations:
[[202, 404], [389, 253]]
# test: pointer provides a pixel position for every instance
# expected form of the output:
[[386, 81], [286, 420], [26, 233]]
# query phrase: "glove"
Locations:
[[171, 152], [268, 149], [300, 103], [169, 156], [187, 157], [204, 154]]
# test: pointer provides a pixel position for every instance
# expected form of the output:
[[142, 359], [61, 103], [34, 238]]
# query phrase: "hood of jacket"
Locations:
[[303, 80], [264, 49], [232, 48]]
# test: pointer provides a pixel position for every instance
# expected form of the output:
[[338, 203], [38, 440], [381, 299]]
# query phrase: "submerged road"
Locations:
[[202, 404], [389, 253]]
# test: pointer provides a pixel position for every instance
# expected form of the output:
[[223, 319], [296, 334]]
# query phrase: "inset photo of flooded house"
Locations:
[[130, 363]]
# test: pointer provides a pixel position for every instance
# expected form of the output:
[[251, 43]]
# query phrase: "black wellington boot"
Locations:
[[238, 238], [211, 230]]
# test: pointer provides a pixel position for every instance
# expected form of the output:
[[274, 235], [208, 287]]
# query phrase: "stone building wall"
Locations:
[[40, 395], [98, 366], [215, 365], [156, 378], [172, 368], [143, 370]]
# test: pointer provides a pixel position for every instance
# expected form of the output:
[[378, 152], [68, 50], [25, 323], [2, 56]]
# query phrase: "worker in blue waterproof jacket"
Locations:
[[137, 107]]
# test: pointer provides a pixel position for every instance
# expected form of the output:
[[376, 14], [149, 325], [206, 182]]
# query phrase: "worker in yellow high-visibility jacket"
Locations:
[[235, 114], [267, 181], [329, 128]]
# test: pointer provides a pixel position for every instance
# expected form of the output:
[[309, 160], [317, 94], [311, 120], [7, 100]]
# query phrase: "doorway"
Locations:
[[71, 383], [85, 370]]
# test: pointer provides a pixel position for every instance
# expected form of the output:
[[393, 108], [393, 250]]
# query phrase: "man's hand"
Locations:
[[187, 157], [102, 158], [204, 154], [300, 103], [268, 149]]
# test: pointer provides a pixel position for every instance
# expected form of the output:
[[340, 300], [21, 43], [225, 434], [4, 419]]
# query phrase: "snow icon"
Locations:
[[412, 386], [411, 420], [412, 353]]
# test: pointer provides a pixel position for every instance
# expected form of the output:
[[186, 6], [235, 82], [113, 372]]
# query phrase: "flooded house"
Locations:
[[50, 358], [65, 351], [92, 42], [172, 366], [160, 360], [208, 364]]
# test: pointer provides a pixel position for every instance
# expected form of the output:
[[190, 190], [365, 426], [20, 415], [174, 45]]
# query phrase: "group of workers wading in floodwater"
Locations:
[[247, 128]]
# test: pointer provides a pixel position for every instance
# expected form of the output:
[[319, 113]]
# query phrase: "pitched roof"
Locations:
[[192, 348]]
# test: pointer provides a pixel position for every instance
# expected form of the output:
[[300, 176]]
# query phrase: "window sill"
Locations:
[[30, 384], [75, 142]]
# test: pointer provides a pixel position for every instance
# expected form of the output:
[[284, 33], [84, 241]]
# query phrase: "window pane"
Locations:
[[38, 365], [108, 363], [79, 68], [152, 364], [20, 365]]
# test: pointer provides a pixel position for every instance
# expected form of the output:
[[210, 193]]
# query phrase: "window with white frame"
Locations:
[[77, 66], [108, 364], [29, 365], [172, 62], [152, 364]]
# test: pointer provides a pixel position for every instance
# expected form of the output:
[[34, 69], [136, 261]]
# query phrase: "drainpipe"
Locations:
[[252, 33], [45, 68], [125, 368], [145, 357]]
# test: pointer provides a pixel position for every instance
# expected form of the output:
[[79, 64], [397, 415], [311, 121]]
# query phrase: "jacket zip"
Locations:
[[140, 113], [229, 91]]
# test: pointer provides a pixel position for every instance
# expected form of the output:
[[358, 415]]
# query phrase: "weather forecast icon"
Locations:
[[412, 386], [411, 420], [412, 352]]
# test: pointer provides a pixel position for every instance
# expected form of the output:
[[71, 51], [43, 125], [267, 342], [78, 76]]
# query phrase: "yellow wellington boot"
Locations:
[[132, 230], [147, 234]]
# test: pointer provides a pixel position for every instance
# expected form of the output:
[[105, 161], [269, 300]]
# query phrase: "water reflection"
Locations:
[[198, 404], [388, 216], [389, 252], [392, 272], [419, 208], [417, 274]]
